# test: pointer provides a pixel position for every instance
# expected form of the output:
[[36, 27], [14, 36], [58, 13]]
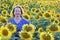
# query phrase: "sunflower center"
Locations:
[[8, 15], [47, 15], [46, 37], [28, 28], [37, 11], [33, 10], [3, 20], [38, 17], [56, 21], [41, 30], [57, 16], [52, 20], [26, 35], [53, 28], [26, 16], [4, 12], [11, 27], [5, 32], [2, 7]]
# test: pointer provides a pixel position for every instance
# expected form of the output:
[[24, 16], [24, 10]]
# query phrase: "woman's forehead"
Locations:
[[17, 8]]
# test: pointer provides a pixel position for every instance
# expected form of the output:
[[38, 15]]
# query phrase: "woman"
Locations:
[[17, 19]]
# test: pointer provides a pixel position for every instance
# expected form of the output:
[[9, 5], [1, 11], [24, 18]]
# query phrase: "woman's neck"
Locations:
[[17, 18]]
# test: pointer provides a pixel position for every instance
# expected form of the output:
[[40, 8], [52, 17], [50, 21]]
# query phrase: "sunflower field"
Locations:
[[44, 16]]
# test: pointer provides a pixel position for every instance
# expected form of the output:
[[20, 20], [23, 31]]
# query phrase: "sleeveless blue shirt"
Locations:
[[20, 24]]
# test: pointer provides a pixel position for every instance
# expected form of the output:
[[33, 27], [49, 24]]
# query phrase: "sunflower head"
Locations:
[[1, 7], [57, 15], [56, 21], [52, 20], [40, 30], [3, 20], [7, 6], [28, 28], [25, 35], [38, 18], [37, 11], [46, 36], [11, 27], [26, 16], [4, 12], [8, 16], [5, 33], [47, 15], [53, 28], [33, 9]]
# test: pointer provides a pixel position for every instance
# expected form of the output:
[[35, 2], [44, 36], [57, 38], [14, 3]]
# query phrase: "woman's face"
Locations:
[[17, 12]]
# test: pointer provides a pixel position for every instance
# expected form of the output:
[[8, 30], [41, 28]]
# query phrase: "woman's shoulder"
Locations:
[[10, 19], [25, 20]]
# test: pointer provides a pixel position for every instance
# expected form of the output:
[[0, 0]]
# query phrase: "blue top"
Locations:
[[20, 24]]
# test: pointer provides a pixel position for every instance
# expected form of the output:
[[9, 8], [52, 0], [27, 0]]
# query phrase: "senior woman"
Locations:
[[17, 19]]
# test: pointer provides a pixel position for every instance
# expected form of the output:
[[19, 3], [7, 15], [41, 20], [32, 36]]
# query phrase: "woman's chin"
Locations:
[[17, 16]]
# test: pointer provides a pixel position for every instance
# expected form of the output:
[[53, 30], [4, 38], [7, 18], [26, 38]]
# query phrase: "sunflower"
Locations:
[[39, 2], [1, 7], [51, 11], [46, 36], [11, 27], [28, 12], [47, 15], [42, 7], [57, 15], [26, 6], [37, 11], [26, 16], [33, 9], [25, 35], [3, 20], [42, 12], [38, 18], [4, 0], [56, 21], [7, 6], [53, 28], [52, 19], [4, 5], [33, 4], [28, 28], [40, 30], [5, 33], [8, 16], [4, 12]]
